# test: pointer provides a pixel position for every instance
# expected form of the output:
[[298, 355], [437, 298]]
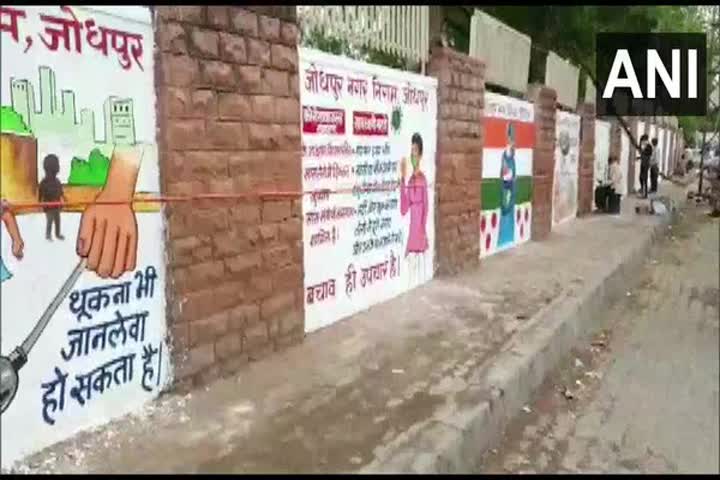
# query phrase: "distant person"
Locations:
[[645, 154], [654, 167], [51, 190]]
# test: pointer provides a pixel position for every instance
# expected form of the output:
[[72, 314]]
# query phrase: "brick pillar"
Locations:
[[544, 99], [587, 158], [615, 140], [631, 122], [228, 114], [461, 90]]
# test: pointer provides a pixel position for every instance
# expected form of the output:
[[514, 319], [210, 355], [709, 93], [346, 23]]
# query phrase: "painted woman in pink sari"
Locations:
[[414, 199]]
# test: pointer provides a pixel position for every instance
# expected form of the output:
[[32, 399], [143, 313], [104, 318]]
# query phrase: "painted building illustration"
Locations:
[[60, 118], [119, 124]]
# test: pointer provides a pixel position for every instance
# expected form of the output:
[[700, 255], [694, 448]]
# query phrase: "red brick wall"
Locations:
[[228, 113], [586, 159], [633, 153], [544, 99], [461, 88], [615, 141]]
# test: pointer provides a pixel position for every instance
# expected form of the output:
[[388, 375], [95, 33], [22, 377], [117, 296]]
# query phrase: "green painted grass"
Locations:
[[12, 122], [91, 172], [490, 192]]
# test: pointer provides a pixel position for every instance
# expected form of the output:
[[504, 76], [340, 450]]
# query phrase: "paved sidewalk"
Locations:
[[404, 386], [647, 399]]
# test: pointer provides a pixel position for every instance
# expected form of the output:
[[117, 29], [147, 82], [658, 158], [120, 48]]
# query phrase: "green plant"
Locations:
[[91, 172], [12, 122]]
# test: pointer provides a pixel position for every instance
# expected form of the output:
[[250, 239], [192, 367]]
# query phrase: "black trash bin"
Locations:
[[613, 204], [602, 192]]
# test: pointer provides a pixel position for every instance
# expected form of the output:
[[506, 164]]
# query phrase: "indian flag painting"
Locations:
[[506, 191]]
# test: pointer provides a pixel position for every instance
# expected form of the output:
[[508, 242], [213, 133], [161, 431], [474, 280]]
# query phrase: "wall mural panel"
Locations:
[[83, 304]]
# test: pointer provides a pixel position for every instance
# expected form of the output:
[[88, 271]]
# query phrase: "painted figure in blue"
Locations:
[[506, 235]]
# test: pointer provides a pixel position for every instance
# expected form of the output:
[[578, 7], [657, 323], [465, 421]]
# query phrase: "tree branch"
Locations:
[[592, 77]]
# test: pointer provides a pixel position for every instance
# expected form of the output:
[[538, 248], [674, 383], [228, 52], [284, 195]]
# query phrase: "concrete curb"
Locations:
[[454, 442]]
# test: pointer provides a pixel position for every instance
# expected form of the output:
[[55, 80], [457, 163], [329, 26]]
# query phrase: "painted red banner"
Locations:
[[330, 121], [370, 124]]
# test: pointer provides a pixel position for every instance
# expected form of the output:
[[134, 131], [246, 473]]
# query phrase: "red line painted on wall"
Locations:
[[277, 195]]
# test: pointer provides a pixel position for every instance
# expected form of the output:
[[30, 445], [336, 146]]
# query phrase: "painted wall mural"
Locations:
[[369, 142], [602, 154], [82, 338], [565, 180], [506, 216]]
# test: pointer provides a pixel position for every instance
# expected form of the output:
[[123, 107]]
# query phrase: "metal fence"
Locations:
[[400, 30]]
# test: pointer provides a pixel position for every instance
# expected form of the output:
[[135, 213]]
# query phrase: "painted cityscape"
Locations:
[[25, 129], [60, 117]]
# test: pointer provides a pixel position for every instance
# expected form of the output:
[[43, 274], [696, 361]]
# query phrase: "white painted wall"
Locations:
[[624, 160], [563, 76], [662, 151], [331, 261], [602, 153], [27, 425], [490, 40]]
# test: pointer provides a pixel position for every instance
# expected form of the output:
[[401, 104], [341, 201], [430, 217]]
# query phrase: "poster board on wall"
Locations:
[[369, 225], [565, 178], [78, 114], [506, 190], [602, 154]]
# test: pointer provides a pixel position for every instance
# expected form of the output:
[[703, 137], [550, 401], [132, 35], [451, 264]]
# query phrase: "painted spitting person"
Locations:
[[108, 233], [507, 193], [17, 242], [51, 190], [414, 199]]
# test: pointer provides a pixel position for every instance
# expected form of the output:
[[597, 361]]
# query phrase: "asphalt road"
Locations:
[[642, 396]]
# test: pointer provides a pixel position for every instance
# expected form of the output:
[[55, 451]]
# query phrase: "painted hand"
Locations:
[[108, 238], [403, 168], [17, 249]]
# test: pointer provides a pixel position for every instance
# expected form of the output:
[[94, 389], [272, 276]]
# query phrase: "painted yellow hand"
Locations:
[[108, 238]]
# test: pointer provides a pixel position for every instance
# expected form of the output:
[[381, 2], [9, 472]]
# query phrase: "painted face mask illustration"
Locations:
[[414, 161]]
